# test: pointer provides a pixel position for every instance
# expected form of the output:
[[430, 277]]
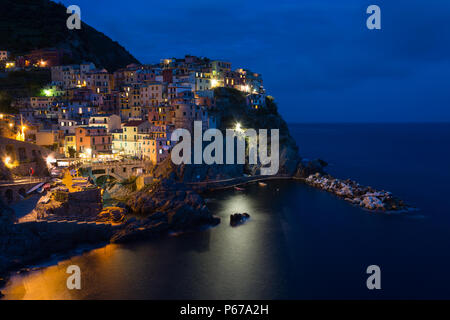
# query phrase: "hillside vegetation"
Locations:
[[35, 24], [19, 84]]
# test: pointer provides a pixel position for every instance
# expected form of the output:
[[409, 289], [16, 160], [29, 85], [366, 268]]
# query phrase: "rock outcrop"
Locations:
[[117, 192], [30, 242], [238, 218], [112, 214], [353, 192], [231, 107], [306, 167], [58, 203], [164, 206]]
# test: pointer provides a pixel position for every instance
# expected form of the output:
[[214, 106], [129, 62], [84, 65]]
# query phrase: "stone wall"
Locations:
[[12, 192], [81, 204], [24, 155]]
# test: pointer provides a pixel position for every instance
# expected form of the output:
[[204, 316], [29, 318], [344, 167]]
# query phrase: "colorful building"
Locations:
[[109, 121], [125, 141], [92, 142]]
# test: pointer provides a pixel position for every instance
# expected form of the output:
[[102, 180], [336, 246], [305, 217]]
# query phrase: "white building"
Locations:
[[109, 121], [200, 81], [126, 140], [67, 126]]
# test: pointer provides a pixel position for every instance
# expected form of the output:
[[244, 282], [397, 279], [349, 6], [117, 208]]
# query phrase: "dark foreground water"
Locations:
[[300, 242]]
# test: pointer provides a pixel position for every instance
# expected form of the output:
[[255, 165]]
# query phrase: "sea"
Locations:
[[300, 242]]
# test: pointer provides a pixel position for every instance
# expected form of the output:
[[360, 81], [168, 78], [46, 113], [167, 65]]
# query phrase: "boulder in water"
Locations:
[[238, 218]]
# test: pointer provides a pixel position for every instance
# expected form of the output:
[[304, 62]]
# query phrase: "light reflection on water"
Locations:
[[299, 242], [217, 262]]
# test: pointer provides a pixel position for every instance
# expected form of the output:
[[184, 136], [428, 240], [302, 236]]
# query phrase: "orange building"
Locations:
[[93, 141]]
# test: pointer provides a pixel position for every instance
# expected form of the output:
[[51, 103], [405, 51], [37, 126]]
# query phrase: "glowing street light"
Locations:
[[89, 152], [238, 127], [214, 83], [9, 162], [21, 134], [50, 159]]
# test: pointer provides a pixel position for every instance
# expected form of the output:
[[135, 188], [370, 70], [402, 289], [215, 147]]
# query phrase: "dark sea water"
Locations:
[[300, 243]]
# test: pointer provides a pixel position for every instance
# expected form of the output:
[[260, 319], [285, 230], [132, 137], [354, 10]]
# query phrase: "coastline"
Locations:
[[171, 206], [308, 211]]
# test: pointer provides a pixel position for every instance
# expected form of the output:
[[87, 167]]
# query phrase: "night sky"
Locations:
[[317, 57]]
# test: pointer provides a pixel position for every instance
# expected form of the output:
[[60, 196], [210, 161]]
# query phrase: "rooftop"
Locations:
[[134, 123], [92, 128], [98, 115]]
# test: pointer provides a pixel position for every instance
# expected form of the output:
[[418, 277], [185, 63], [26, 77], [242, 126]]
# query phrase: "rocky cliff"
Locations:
[[164, 206], [231, 108]]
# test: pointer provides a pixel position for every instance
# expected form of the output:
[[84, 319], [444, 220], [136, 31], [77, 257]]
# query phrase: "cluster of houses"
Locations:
[[39, 58], [90, 113]]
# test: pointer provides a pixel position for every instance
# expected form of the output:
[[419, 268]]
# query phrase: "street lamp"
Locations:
[[50, 160], [89, 152]]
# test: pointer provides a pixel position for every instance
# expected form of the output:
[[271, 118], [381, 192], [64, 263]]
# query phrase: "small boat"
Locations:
[[262, 184], [36, 187], [239, 189]]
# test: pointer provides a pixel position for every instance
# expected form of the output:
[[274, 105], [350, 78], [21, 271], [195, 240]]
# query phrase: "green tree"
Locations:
[[72, 152]]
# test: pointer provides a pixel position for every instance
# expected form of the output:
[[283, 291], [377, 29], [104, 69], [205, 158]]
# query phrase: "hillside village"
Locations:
[[92, 114]]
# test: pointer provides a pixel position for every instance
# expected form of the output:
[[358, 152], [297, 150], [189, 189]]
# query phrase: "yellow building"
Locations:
[[125, 141], [47, 137], [153, 149], [130, 103], [69, 143]]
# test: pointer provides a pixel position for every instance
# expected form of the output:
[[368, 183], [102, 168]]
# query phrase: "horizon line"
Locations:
[[371, 122]]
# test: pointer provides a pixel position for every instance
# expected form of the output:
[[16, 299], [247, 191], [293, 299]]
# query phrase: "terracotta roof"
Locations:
[[134, 123]]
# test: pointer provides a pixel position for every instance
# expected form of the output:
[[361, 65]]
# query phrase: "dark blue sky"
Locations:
[[317, 57]]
